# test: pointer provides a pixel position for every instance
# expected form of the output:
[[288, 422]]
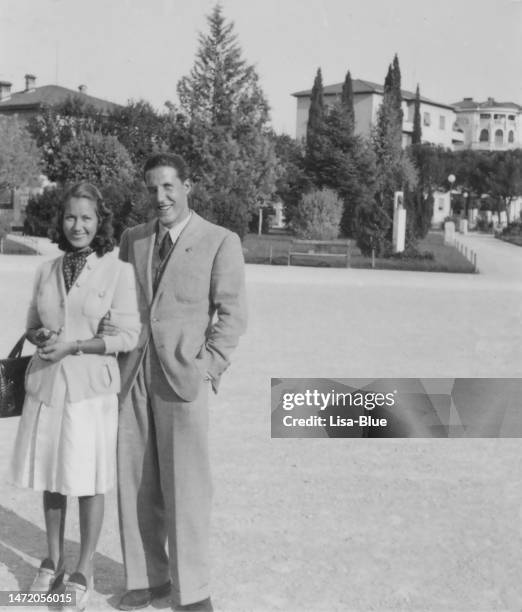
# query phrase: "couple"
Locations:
[[173, 330]]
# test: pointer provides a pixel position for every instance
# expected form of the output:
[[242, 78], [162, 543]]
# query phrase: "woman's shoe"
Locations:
[[79, 588], [48, 578]]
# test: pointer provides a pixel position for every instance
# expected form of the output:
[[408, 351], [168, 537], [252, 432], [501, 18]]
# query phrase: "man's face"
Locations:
[[168, 195]]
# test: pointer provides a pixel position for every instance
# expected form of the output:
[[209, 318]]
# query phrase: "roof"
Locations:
[[50, 95], [470, 104], [360, 87]]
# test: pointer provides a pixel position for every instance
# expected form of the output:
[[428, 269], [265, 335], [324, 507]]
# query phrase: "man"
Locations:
[[190, 283]]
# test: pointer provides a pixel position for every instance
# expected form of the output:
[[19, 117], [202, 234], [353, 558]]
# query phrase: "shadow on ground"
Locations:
[[19, 538]]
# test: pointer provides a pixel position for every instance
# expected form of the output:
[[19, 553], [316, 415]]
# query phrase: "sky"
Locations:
[[137, 49]]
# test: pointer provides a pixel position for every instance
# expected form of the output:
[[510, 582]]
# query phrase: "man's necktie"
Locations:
[[165, 246]]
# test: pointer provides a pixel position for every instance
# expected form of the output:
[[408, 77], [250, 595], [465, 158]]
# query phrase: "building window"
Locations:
[[484, 136], [499, 116], [442, 122], [427, 119], [511, 136], [511, 117], [499, 137], [485, 116]]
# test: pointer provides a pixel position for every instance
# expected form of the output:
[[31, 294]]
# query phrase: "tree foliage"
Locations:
[[394, 169], [228, 142], [222, 88], [416, 137], [20, 159], [293, 181], [347, 101], [41, 211], [318, 215], [141, 130], [371, 227], [55, 126], [315, 126], [336, 158], [94, 157]]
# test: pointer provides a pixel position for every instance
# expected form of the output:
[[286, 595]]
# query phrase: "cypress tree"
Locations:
[[315, 116], [416, 137], [397, 93], [347, 103], [387, 139]]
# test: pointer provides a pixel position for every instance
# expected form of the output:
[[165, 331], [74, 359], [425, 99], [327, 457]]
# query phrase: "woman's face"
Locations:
[[80, 222]]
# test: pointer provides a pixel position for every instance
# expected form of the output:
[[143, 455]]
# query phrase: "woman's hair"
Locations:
[[104, 240]]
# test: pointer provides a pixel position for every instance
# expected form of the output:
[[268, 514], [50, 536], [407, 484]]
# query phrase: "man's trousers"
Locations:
[[164, 485]]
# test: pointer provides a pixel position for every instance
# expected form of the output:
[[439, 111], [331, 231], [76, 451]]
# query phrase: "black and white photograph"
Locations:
[[261, 305]]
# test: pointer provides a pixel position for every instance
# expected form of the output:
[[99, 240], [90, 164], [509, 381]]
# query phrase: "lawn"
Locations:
[[12, 247], [273, 249], [511, 238]]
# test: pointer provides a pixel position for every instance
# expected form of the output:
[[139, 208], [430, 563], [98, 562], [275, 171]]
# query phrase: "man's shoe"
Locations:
[[141, 598], [205, 605]]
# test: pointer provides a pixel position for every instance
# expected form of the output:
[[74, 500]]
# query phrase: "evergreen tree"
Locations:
[[315, 126], [229, 148], [416, 137], [336, 158], [396, 90], [222, 89], [394, 170], [347, 102]]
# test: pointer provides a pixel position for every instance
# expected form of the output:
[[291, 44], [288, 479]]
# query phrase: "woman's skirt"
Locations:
[[68, 449]]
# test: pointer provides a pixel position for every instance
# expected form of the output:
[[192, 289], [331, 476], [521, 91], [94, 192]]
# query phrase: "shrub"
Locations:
[[318, 215], [483, 225], [371, 227], [513, 229], [41, 210]]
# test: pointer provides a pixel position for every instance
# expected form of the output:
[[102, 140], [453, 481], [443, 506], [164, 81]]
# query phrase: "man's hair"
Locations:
[[167, 159], [104, 240]]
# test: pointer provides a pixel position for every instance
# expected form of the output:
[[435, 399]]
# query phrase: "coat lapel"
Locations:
[[188, 237], [143, 247]]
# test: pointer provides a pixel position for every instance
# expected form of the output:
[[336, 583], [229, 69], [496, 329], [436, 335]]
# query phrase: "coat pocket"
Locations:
[[106, 378]]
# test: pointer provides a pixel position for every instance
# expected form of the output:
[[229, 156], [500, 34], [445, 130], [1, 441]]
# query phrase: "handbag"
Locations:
[[12, 381]]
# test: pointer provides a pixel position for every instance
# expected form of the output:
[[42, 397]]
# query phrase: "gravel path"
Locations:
[[323, 525]]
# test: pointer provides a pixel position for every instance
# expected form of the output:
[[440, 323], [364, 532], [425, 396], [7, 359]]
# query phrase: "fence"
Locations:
[[468, 253]]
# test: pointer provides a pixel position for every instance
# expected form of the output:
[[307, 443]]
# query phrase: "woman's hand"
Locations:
[[40, 336], [53, 350]]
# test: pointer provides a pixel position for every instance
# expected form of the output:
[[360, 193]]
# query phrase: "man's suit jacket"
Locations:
[[198, 311]]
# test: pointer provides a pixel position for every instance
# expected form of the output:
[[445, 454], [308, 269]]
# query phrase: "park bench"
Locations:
[[320, 248]]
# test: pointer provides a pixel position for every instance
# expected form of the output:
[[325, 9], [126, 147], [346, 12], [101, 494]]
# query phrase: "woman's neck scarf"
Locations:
[[73, 263]]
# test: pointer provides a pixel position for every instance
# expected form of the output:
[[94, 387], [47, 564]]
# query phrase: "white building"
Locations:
[[490, 125], [437, 119]]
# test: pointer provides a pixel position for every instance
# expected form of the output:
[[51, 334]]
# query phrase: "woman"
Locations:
[[66, 441]]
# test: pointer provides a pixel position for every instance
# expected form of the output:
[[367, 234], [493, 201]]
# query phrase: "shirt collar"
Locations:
[[174, 231]]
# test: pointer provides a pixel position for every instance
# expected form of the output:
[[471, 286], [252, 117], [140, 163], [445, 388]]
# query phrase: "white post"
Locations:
[[399, 223]]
